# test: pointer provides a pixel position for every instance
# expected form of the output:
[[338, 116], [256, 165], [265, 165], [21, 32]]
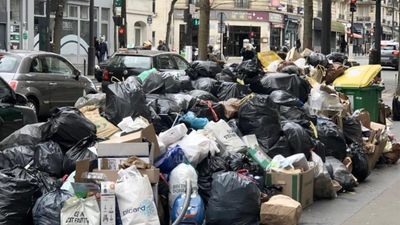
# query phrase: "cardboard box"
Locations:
[[110, 155], [299, 186], [153, 174], [279, 210], [107, 203], [138, 136], [104, 128], [375, 144]]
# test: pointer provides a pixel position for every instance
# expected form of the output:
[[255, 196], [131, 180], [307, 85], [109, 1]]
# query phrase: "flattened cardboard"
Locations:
[[147, 133], [82, 166], [299, 186]]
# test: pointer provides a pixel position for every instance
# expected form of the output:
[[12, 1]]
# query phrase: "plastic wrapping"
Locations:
[[284, 98], [333, 139], [234, 200], [299, 140], [352, 130], [203, 95], [31, 134], [359, 162], [81, 210], [206, 84], [317, 59], [169, 160], [162, 104], [323, 187], [229, 90], [203, 69], [339, 172], [68, 126], [98, 100], [48, 157]]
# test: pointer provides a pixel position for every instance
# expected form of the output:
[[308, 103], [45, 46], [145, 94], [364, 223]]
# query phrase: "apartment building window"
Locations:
[[39, 8], [85, 12], [73, 11], [242, 3]]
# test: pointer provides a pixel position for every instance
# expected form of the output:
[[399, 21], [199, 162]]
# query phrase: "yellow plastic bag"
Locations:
[[267, 57], [358, 76]]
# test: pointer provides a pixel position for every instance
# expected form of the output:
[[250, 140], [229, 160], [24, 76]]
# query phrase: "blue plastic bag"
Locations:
[[169, 160], [194, 122]]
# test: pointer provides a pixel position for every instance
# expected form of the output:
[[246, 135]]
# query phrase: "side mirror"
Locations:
[[20, 99]]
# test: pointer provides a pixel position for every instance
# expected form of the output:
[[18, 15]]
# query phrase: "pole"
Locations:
[[378, 31], [351, 44], [398, 67], [48, 25], [91, 39], [221, 20], [326, 27]]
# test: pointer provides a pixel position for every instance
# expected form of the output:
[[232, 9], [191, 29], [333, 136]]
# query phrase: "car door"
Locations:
[[181, 63], [10, 118], [166, 63], [64, 86]]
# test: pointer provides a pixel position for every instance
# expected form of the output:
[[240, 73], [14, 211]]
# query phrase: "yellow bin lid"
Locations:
[[358, 76]]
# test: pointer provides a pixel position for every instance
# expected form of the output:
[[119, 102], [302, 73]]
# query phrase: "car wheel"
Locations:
[[32, 103]]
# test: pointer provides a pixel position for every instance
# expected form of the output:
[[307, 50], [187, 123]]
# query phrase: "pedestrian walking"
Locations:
[[162, 46], [103, 49], [248, 52]]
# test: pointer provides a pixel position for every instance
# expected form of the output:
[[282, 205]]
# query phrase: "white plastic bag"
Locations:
[[129, 125], [173, 134], [226, 137], [196, 147], [78, 211], [177, 181], [135, 198], [298, 161]]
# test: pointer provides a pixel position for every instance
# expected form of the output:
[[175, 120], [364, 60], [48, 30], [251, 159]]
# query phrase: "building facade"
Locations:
[[139, 21]]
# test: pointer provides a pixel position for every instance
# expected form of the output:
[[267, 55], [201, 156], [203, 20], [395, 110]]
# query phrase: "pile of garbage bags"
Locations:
[[217, 134]]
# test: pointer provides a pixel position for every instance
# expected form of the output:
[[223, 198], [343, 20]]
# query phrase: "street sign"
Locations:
[[192, 9], [118, 3], [149, 19], [221, 28], [221, 17]]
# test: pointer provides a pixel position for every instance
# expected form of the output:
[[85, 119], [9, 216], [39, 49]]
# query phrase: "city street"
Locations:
[[376, 200]]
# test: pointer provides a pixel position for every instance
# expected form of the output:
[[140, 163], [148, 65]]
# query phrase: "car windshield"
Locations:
[[131, 61], [8, 63]]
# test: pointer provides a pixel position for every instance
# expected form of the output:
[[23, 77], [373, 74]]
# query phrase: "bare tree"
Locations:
[[58, 23], [170, 13], [204, 28], [308, 17]]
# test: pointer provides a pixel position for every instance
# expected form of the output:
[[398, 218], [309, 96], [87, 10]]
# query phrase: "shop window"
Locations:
[[84, 12], [242, 3], [73, 11], [96, 13], [105, 14], [15, 6]]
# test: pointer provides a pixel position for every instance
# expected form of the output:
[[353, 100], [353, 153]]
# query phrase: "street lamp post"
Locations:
[[91, 39]]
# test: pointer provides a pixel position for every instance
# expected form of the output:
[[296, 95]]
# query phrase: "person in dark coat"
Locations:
[[162, 46], [103, 49], [248, 52]]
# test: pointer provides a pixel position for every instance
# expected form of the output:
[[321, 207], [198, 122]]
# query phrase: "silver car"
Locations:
[[47, 80]]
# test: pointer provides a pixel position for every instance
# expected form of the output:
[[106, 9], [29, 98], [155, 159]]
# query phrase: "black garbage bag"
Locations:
[[396, 108], [299, 140], [337, 57], [234, 200], [68, 126], [203, 69], [339, 172], [352, 130], [281, 147], [18, 193], [291, 83], [319, 149], [125, 99], [281, 97], [317, 59], [333, 139], [291, 69], [359, 161], [47, 209], [47, 183], [162, 104], [205, 170], [184, 101], [203, 95], [248, 69], [260, 116], [48, 157], [79, 152], [161, 83], [19, 155], [31, 134], [210, 110], [224, 78], [229, 90], [185, 83], [296, 114], [206, 84]]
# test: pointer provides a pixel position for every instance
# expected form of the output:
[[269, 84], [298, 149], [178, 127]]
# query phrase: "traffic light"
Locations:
[[195, 22], [121, 36], [353, 6]]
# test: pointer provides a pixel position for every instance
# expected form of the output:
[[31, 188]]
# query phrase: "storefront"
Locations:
[[337, 33], [240, 25], [277, 26], [291, 30]]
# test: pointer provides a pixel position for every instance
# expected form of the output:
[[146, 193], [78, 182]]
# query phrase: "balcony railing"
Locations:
[[242, 4]]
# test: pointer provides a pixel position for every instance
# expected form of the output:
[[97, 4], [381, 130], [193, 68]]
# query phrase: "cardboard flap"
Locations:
[[123, 149]]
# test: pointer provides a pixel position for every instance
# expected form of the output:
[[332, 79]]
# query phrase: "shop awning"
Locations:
[[335, 26]]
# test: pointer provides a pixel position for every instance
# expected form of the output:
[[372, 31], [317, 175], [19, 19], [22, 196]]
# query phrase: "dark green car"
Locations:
[[13, 112]]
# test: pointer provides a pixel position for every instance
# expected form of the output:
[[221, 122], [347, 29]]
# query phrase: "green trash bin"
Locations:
[[364, 98]]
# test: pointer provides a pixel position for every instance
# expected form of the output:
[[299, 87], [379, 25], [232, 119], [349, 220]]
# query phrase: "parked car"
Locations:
[[47, 80], [13, 112], [389, 53], [133, 62]]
